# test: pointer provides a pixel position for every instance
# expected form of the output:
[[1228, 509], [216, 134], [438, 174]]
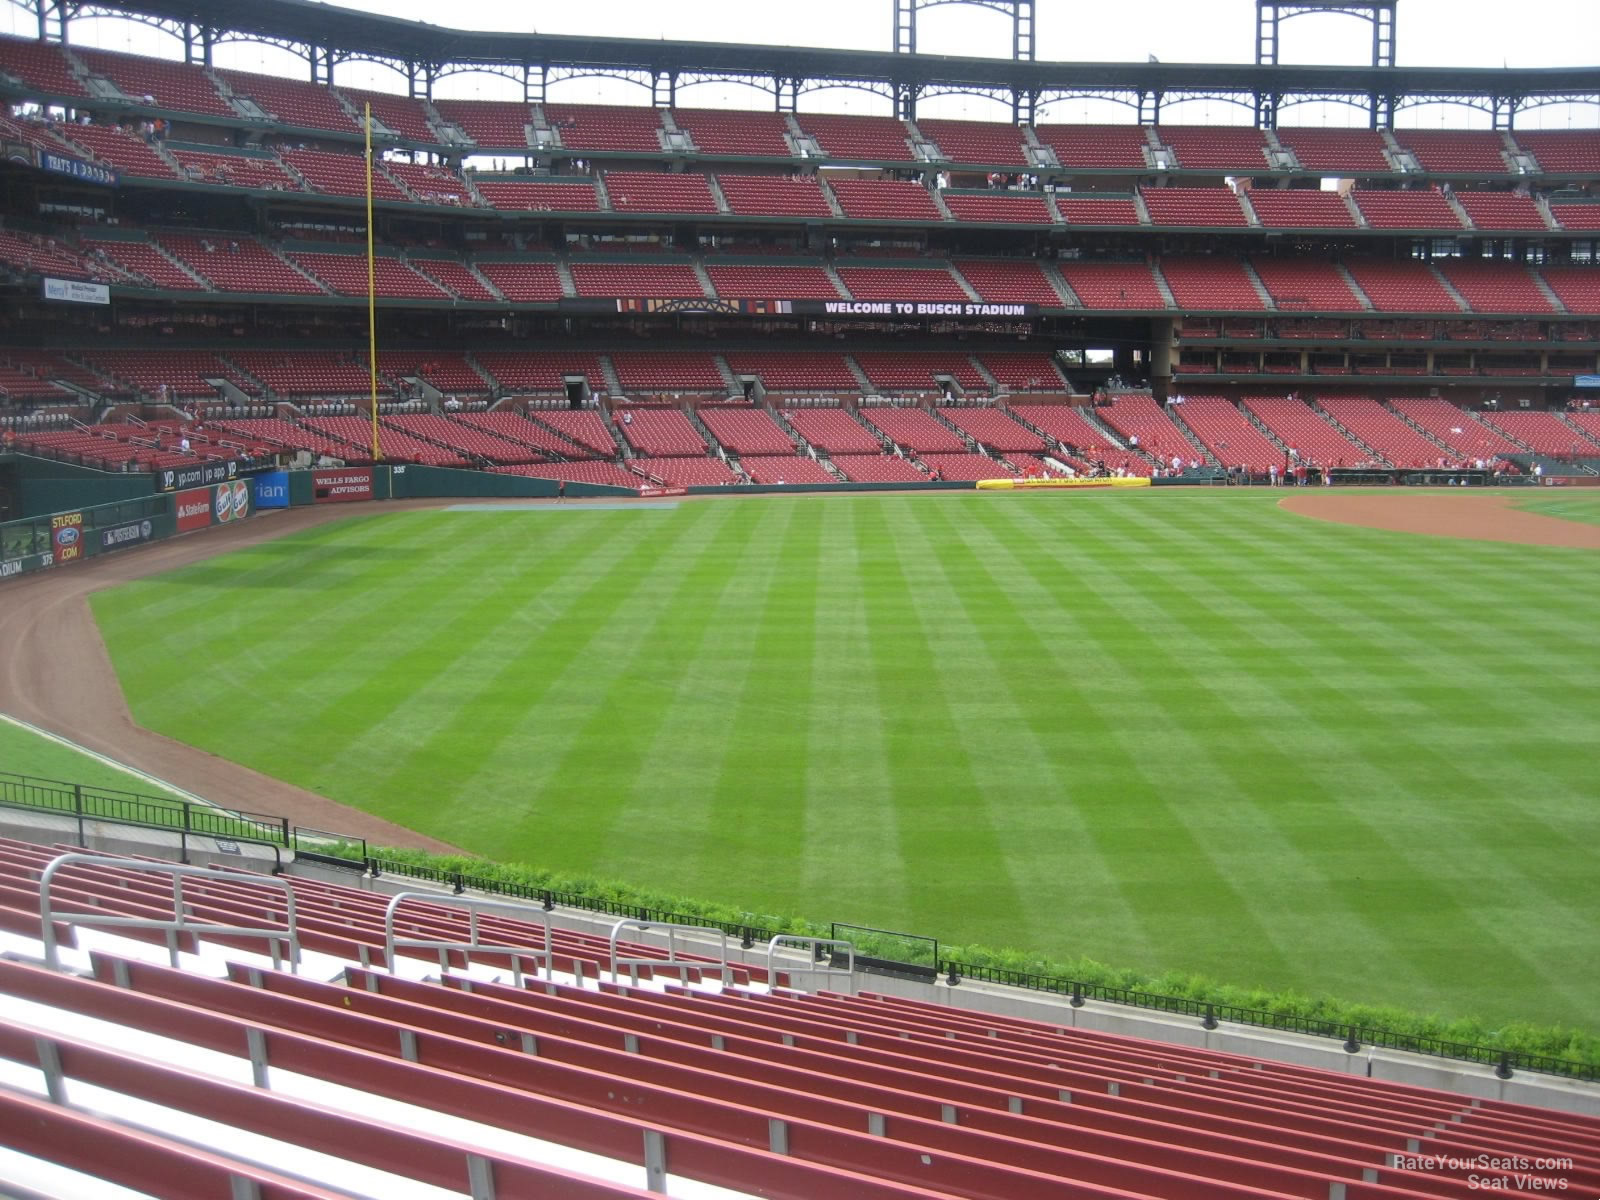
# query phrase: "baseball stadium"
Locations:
[[956, 614]]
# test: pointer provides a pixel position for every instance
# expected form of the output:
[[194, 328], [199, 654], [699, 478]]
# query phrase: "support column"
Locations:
[[1164, 356]]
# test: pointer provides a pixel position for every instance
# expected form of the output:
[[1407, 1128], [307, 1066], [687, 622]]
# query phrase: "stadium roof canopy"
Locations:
[[327, 34]]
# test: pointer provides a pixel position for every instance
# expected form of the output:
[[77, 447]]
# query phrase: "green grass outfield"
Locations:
[[1171, 731], [26, 752]]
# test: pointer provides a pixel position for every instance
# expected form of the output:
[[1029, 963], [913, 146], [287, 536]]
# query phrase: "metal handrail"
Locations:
[[467, 948], [829, 971], [49, 914], [672, 961]]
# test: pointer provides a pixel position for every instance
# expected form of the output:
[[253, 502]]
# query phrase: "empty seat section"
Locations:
[[307, 372], [790, 468], [981, 143], [1301, 208], [774, 196], [237, 264], [1381, 429], [493, 124], [659, 432], [1399, 286], [291, 102], [1067, 424], [1193, 206], [586, 427], [432, 184], [536, 440], [659, 191], [184, 87], [914, 430], [576, 472], [1210, 283], [746, 430], [341, 174], [1097, 210], [1468, 437], [462, 440], [605, 127], [1113, 285], [395, 444], [347, 274], [1541, 432], [1453, 151], [1216, 147], [1495, 287], [524, 282], [1502, 210], [544, 371], [183, 372], [1136, 414], [1302, 429], [1228, 433], [1024, 372], [877, 468], [667, 371], [278, 432], [1564, 151], [917, 371], [519, 195], [1011, 208], [884, 200], [1424, 209], [447, 370], [127, 152], [1588, 422], [966, 467], [1305, 284], [455, 276], [728, 131], [401, 115], [835, 431], [234, 170], [1009, 281], [1584, 216], [903, 283], [992, 428], [30, 252], [684, 471], [858, 139], [1097, 147], [145, 260], [795, 373], [41, 66], [744, 282], [1337, 151], [1578, 287], [664, 280]]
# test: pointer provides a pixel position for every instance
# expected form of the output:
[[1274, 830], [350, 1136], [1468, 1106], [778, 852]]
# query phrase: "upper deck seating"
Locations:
[[1301, 208], [1346, 152], [184, 372], [834, 431], [671, 280], [1228, 433], [1231, 148], [745, 430], [146, 260], [902, 283], [1563, 151], [182, 87], [127, 152], [455, 276], [1305, 283], [659, 191], [401, 115], [527, 195], [292, 102], [492, 124], [914, 430], [994, 429], [1024, 371], [1423, 209], [659, 432], [795, 372], [1098, 147], [1210, 283], [1113, 285], [1474, 152], [728, 131], [431, 184], [1301, 428], [1501, 210], [341, 174], [447, 370], [1011, 208], [347, 275], [1495, 287], [1381, 429], [915, 370], [1088, 209], [667, 371], [1193, 206], [774, 196], [606, 127], [981, 143], [885, 200], [1578, 287], [1576, 216], [1009, 281], [785, 282], [544, 371], [857, 139], [41, 66], [307, 372], [234, 170], [1401, 286], [237, 264]]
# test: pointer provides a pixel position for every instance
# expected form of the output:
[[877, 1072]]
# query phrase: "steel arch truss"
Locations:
[[1020, 11]]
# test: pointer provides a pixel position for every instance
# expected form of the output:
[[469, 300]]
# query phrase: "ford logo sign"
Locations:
[[67, 536]]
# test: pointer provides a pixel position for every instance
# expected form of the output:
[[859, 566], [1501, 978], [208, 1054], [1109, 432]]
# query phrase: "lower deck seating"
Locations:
[[1541, 432], [1067, 424], [659, 431], [398, 444], [536, 440], [914, 429], [1137, 415], [1467, 437], [877, 468], [1311, 438], [743, 431], [592, 471], [687, 472], [965, 467], [994, 429], [1381, 429], [1228, 433], [833, 430], [784, 468]]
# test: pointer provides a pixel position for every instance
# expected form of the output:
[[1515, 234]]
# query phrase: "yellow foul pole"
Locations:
[[372, 294]]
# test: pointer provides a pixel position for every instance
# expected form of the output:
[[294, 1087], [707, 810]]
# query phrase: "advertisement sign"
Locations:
[[194, 510], [230, 502], [83, 172], [28, 562], [914, 308], [272, 490], [66, 535], [130, 533], [341, 486], [199, 475], [74, 291]]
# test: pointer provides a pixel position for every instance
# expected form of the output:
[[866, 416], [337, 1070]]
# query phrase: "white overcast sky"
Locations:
[[1477, 33]]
